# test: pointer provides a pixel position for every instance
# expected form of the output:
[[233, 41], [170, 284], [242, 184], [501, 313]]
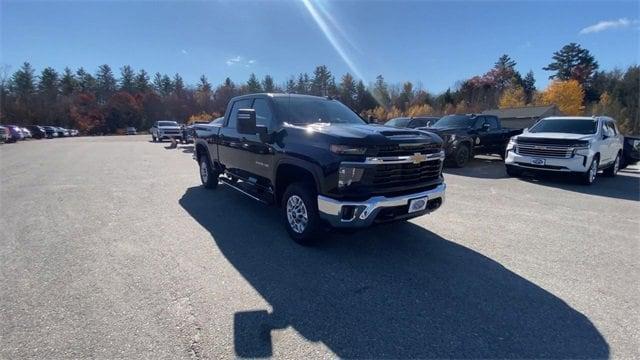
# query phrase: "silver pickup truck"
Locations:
[[165, 129]]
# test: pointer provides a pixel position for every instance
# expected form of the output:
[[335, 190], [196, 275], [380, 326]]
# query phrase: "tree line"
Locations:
[[102, 102]]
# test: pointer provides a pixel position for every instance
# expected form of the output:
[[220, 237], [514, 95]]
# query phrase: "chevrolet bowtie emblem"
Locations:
[[417, 158]]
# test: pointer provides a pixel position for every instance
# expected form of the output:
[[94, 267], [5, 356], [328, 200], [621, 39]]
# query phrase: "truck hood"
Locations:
[[553, 135], [366, 133], [169, 127]]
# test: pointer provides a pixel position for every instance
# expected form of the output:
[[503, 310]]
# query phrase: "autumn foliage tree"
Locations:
[[512, 97], [567, 95]]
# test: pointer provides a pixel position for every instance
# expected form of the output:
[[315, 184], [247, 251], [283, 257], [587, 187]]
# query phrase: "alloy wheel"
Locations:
[[297, 214]]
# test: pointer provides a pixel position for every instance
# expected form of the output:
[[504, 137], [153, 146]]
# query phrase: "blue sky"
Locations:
[[432, 43]]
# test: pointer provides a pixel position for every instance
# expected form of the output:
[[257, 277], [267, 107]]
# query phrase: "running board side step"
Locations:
[[226, 181]]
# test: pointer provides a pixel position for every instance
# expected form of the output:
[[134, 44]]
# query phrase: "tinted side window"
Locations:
[[263, 113], [240, 104], [419, 123], [493, 122], [478, 123], [612, 128]]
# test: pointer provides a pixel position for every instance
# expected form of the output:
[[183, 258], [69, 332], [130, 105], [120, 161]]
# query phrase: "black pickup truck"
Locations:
[[321, 163], [465, 136]]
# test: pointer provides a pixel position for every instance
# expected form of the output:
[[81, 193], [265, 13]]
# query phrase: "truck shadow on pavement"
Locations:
[[394, 291]]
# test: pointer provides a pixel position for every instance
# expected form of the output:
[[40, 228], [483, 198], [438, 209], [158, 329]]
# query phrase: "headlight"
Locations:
[[452, 138], [348, 175], [512, 143], [348, 150]]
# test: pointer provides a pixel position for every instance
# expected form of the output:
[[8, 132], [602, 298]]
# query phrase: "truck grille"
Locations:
[[405, 149], [558, 151], [389, 175]]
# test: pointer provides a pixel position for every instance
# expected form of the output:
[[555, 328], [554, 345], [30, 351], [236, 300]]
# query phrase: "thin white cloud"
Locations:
[[234, 60], [183, 51], [607, 25], [239, 60]]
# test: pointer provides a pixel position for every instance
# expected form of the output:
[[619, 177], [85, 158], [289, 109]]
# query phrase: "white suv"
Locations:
[[580, 145]]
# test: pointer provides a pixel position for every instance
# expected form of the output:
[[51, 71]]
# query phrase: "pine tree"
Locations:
[[68, 82], [320, 85], [157, 82], [105, 83], [505, 63], [291, 86], [381, 92], [303, 84], [204, 85], [178, 85], [572, 62], [48, 85], [141, 82], [529, 87], [127, 79], [364, 99], [86, 82], [23, 82], [268, 84], [253, 85], [348, 90]]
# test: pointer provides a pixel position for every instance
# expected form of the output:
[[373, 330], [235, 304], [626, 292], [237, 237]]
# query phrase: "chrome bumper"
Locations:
[[365, 212]]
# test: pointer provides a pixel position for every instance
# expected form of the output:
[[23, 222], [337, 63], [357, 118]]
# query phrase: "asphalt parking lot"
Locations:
[[110, 248]]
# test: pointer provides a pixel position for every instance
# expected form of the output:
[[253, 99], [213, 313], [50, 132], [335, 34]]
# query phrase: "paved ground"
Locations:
[[111, 249]]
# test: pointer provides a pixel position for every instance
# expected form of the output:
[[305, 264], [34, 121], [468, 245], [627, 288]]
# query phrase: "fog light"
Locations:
[[349, 175]]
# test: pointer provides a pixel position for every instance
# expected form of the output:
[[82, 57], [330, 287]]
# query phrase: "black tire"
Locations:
[[208, 175], [588, 178], [461, 156], [612, 170], [309, 232], [513, 171]]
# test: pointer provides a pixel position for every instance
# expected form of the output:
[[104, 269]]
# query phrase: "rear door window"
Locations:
[[493, 122]]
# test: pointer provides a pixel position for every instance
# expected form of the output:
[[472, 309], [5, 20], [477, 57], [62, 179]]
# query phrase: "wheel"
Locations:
[[513, 171], [461, 156], [588, 177], [612, 170], [300, 213], [208, 176]]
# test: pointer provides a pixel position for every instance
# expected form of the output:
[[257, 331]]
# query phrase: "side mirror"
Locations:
[[246, 121], [486, 126]]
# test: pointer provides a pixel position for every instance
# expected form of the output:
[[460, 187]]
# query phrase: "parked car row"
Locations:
[[13, 133], [582, 146], [322, 164]]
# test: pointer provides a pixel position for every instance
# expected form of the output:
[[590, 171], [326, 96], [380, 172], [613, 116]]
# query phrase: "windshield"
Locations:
[[398, 122], [568, 126], [309, 110], [454, 121], [167, 123]]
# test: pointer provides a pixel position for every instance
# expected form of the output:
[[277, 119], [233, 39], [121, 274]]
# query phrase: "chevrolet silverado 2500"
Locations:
[[579, 145], [321, 163]]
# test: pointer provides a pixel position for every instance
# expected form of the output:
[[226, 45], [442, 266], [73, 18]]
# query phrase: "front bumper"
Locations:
[[576, 163], [357, 214]]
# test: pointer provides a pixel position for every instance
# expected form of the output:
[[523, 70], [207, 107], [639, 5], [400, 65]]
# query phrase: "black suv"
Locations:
[[321, 163]]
